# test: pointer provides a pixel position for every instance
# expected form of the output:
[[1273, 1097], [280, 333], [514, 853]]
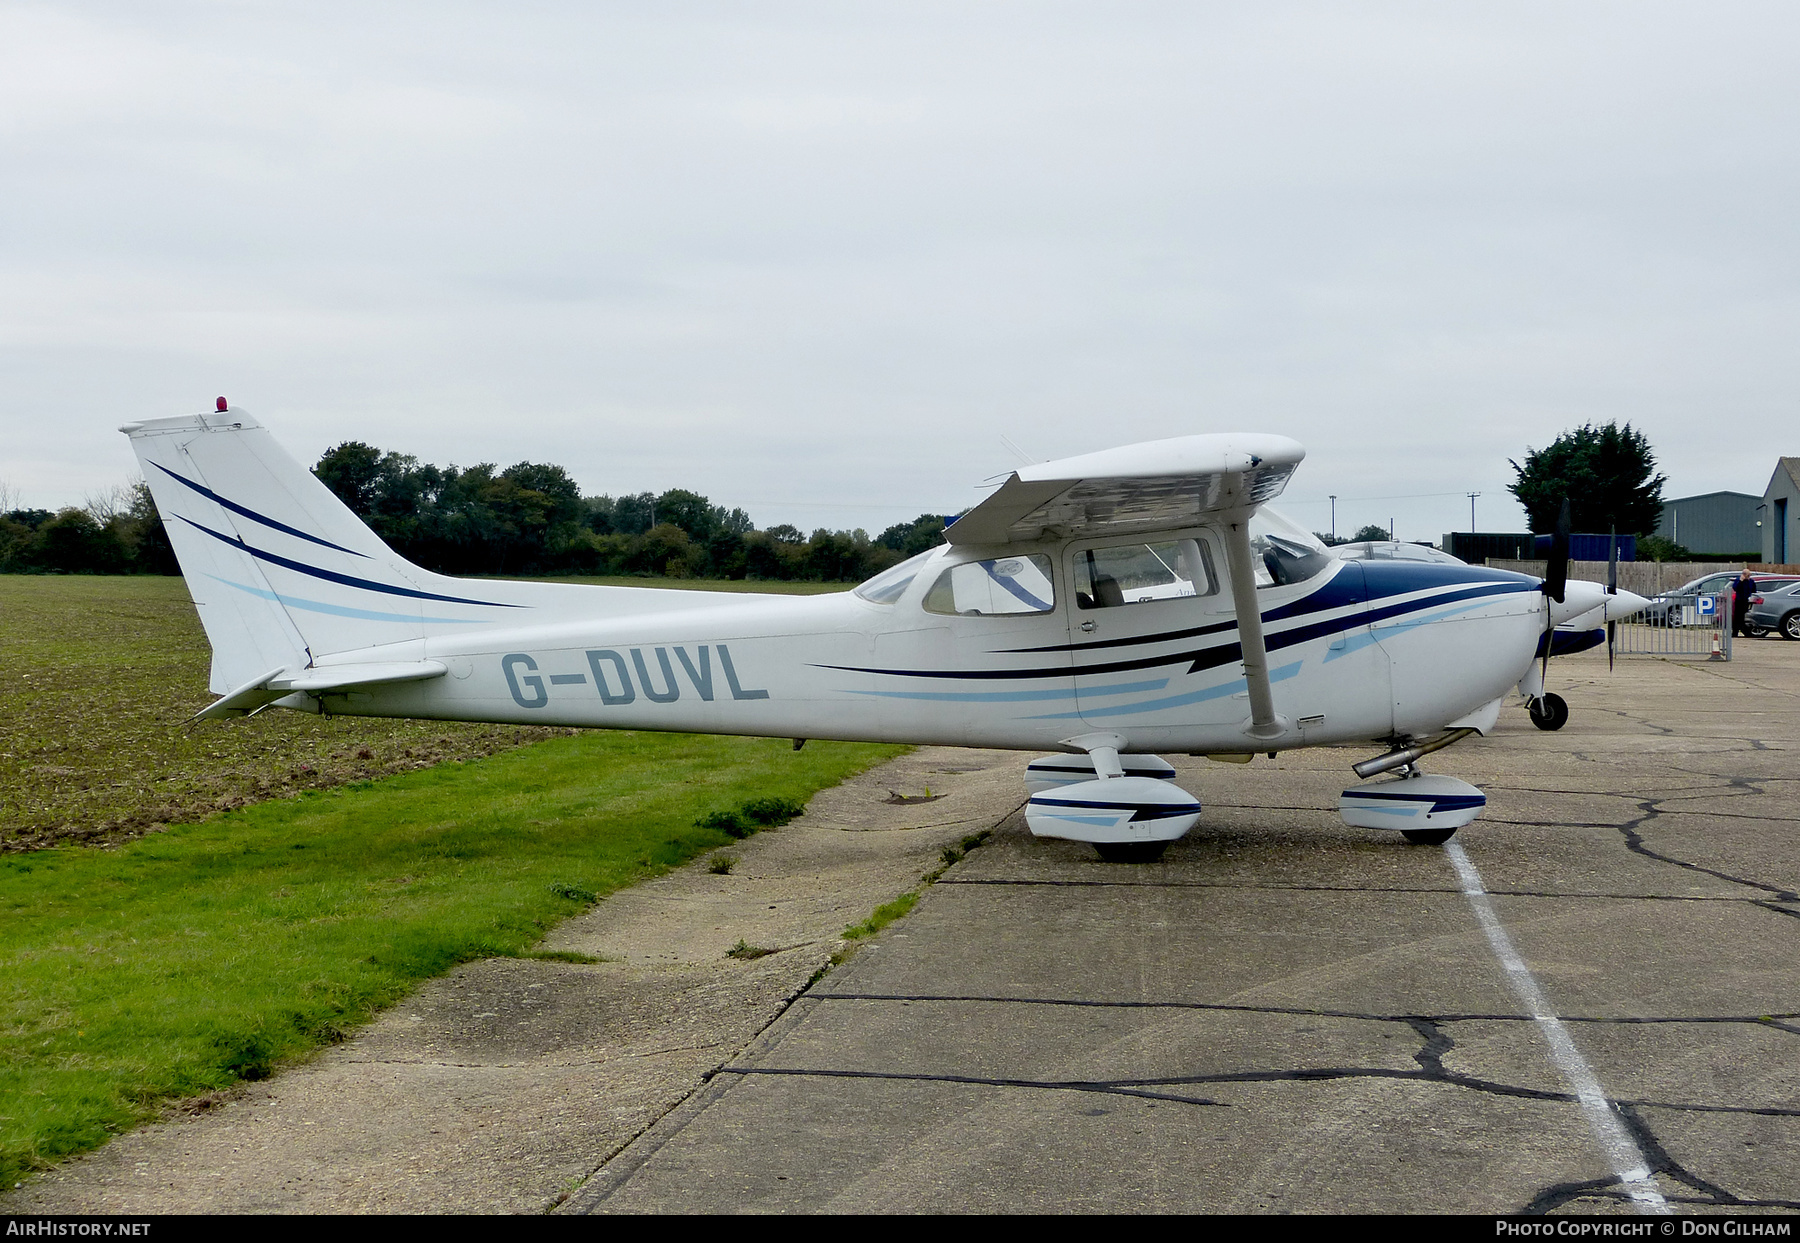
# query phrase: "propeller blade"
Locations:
[[1611, 627], [1612, 563], [1549, 641], [1556, 578]]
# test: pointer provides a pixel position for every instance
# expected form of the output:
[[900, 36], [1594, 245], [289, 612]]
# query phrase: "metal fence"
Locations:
[[1682, 627]]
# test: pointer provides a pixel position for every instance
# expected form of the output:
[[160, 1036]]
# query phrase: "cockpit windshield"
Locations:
[[1283, 554]]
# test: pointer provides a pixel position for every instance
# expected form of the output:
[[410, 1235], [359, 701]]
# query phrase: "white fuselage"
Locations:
[[1361, 651]]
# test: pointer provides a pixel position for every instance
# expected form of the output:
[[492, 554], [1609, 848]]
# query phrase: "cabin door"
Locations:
[[1145, 618]]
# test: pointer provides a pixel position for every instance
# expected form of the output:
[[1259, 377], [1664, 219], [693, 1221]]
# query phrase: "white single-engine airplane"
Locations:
[[1101, 607]]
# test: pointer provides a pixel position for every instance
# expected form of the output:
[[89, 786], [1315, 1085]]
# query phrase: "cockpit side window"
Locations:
[[1142, 573], [1001, 586]]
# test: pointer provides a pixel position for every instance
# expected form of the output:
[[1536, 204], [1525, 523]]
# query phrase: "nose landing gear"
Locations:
[[1548, 711]]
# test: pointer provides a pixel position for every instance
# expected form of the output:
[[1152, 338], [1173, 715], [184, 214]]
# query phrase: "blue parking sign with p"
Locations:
[[1707, 606]]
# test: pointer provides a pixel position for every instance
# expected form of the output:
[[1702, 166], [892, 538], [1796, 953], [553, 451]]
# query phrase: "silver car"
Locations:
[[1775, 608]]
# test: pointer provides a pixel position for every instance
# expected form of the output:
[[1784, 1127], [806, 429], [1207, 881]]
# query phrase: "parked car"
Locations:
[[1665, 609], [1776, 609]]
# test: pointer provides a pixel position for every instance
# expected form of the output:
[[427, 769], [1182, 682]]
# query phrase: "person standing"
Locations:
[[1742, 588]]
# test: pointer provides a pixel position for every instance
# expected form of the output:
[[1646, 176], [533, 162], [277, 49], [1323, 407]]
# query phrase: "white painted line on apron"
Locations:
[[1622, 1152]]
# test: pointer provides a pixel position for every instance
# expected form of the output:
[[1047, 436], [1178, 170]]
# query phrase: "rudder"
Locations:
[[279, 568]]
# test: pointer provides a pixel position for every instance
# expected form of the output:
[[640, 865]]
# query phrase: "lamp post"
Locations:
[[1334, 515], [1472, 497]]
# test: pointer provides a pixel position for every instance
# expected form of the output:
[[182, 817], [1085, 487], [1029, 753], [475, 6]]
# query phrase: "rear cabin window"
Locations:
[[889, 585], [1004, 585], [1143, 573]]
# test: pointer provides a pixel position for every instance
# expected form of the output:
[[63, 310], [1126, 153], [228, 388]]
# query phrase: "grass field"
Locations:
[[212, 950], [102, 673]]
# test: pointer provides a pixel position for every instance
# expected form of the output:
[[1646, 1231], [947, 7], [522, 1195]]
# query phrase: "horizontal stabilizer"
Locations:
[[349, 677], [279, 683], [244, 700]]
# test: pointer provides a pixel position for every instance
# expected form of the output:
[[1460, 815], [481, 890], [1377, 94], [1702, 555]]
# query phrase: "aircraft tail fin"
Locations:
[[282, 572]]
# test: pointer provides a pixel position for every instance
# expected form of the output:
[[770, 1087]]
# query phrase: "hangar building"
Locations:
[[1781, 513], [1715, 523]]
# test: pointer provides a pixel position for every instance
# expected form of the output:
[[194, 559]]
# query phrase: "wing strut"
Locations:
[[1264, 722]]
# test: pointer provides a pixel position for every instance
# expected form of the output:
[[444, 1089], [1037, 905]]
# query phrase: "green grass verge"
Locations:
[[191, 959], [884, 915], [888, 912]]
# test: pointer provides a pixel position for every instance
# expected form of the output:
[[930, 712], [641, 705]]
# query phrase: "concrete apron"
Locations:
[[1287, 1015], [502, 1086]]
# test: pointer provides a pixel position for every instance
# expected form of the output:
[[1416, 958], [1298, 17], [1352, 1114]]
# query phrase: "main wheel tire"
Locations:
[[1428, 837], [1550, 712], [1790, 626], [1131, 852]]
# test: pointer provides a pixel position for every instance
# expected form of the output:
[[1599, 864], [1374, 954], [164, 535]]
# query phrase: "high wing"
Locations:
[[1152, 486], [1141, 487]]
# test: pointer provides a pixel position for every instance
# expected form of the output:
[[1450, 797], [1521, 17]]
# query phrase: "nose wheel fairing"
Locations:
[[1424, 808]]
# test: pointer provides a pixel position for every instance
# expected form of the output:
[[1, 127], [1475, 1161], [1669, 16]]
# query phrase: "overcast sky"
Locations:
[[818, 259]]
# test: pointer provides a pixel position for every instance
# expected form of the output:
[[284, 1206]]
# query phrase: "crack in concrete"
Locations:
[[1759, 1020], [1651, 809], [1435, 1043], [1427, 1073], [1120, 1087], [1296, 888], [1661, 1163]]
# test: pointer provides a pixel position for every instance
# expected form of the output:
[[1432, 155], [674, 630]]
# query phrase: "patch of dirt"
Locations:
[[102, 676]]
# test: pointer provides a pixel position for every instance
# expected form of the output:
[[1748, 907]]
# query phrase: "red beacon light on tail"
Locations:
[[221, 405]]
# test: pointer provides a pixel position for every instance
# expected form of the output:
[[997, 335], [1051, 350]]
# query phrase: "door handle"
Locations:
[[1087, 627]]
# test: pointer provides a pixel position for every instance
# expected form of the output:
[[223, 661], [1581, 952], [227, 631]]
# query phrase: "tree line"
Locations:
[[530, 519], [117, 532]]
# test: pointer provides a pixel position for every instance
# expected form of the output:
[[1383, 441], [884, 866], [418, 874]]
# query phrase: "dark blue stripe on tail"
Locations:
[[251, 514], [346, 579]]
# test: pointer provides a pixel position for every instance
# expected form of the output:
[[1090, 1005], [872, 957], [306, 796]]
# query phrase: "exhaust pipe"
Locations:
[[1401, 757]]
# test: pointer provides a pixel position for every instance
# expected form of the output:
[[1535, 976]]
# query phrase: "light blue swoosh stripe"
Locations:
[[1172, 701], [1124, 688], [1384, 629], [335, 610]]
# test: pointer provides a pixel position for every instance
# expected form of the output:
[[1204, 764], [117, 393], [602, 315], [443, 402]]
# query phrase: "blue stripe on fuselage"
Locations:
[[1357, 582]]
